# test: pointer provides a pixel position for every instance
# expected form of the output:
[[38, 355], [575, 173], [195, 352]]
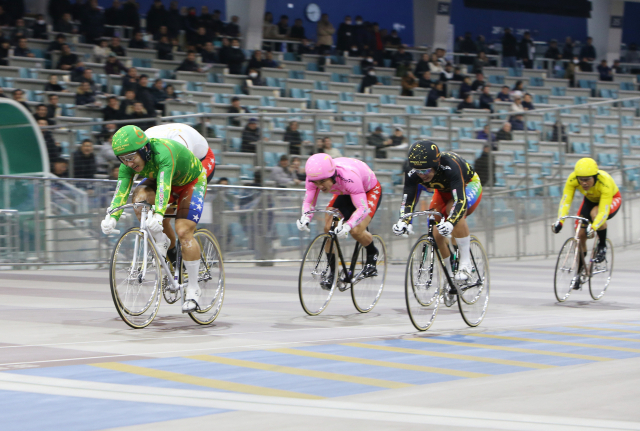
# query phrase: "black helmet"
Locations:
[[424, 155]]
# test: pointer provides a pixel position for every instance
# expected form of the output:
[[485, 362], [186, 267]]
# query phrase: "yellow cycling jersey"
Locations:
[[601, 193]]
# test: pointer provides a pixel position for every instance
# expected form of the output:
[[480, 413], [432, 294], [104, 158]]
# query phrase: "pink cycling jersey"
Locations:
[[354, 178]]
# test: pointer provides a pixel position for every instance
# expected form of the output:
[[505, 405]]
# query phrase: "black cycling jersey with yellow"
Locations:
[[451, 177]]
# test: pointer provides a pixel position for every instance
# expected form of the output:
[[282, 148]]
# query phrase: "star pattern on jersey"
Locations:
[[196, 217], [371, 203]]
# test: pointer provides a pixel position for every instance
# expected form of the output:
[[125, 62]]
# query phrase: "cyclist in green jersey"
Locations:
[[171, 172]]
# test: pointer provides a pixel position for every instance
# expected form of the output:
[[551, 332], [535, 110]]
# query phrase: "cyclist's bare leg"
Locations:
[[360, 233], [190, 248]]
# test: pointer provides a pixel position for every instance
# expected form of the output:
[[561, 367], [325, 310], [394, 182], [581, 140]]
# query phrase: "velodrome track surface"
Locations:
[[68, 363]]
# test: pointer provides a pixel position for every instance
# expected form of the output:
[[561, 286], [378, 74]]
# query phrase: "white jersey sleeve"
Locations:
[[183, 134]]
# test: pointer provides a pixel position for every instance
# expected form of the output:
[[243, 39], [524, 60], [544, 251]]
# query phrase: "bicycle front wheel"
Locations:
[[473, 296], [366, 292], [566, 269], [314, 298], [601, 273], [135, 278], [210, 278], [423, 284]]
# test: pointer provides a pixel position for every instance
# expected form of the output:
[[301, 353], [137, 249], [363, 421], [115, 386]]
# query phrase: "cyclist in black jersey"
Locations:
[[457, 193]]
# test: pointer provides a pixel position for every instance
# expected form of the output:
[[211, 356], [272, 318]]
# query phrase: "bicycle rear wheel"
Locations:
[[566, 269], [210, 278], [315, 264], [136, 292], [423, 284], [365, 293], [601, 273], [473, 296]]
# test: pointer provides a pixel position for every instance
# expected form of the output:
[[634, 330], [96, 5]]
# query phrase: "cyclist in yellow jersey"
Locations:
[[601, 202]]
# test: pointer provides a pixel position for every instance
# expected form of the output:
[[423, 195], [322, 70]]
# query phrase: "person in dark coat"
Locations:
[[486, 100], [235, 58], [131, 15], [143, 94], [57, 8], [189, 64], [165, 49], [113, 16], [39, 28], [425, 80], [345, 35], [173, 19], [436, 93], [67, 60], [85, 95], [294, 138], [84, 161], [235, 108], [467, 103], [111, 112], [587, 55], [422, 65], [482, 168], [92, 24], [156, 17], [250, 136], [509, 49], [137, 42], [54, 150], [567, 49], [113, 66], [369, 80]]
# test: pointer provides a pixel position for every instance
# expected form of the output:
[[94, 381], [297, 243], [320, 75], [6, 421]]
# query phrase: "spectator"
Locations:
[[425, 80], [85, 95], [516, 106], [394, 41], [159, 95], [269, 30], [84, 161], [401, 61], [256, 62], [116, 48], [4, 52], [616, 67], [345, 35], [485, 134], [324, 31], [130, 81], [68, 60], [305, 48], [422, 65], [282, 175], [113, 66], [465, 87], [355, 51], [39, 28], [112, 112], [208, 54], [378, 140], [200, 38], [481, 45], [485, 100], [567, 49], [114, 171], [484, 165], [440, 55], [517, 122], [206, 19], [518, 86], [327, 148], [606, 74], [283, 26], [479, 82], [368, 81], [54, 110], [408, 83], [436, 93], [468, 46], [360, 35], [162, 31], [42, 114], [140, 117], [480, 62], [189, 64], [126, 106], [235, 108], [570, 72], [165, 49], [235, 58], [22, 50], [224, 181], [504, 134], [509, 49], [65, 25], [467, 103], [504, 94], [295, 168], [397, 139], [447, 74], [144, 95], [54, 150], [526, 50], [113, 17], [137, 42], [587, 55], [558, 133], [60, 167], [255, 80], [156, 17], [552, 51], [632, 54], [131, 15], [56, 45], [87, 76], [250, 136], [269, 61], [101, 51], [18, 96], [56, 9], [92, 22], [232, 29], [434, 65], [171, 92], [78, 10], [527, 102], [293, 136], [457, 75]]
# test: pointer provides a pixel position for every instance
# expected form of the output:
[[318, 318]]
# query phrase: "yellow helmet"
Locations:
[[586, 167]]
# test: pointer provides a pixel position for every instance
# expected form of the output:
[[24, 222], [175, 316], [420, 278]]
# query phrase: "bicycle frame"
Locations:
[[576, 236]]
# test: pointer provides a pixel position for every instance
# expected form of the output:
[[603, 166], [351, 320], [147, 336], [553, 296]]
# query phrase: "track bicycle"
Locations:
[[138, 276], [315, 270], [570, 259], [428, 282]]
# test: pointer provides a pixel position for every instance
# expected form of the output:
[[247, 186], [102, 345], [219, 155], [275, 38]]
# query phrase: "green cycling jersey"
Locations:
[[171, 164]]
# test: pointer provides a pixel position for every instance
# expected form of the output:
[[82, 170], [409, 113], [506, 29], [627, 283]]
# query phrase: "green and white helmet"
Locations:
[[128, 139]]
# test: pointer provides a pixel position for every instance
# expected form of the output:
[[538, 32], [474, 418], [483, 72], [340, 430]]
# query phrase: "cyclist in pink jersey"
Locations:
[[357, 195]]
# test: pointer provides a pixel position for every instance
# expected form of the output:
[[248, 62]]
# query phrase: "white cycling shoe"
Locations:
[[191, 297], [464, 273]]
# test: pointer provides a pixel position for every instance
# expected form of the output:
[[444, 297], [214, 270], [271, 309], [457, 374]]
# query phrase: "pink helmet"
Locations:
[[320, 167]]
